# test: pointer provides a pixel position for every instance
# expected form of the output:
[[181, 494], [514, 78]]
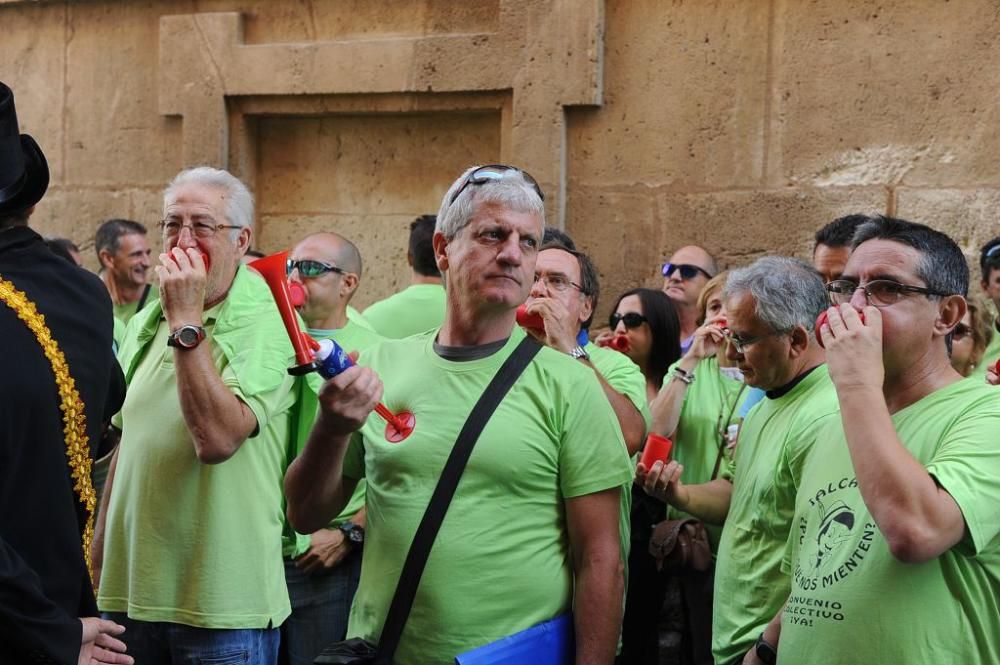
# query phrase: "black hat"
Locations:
[[24, 173]]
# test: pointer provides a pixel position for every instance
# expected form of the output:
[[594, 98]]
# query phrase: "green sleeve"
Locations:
[[967, 465], [265, 405], [592, 454]]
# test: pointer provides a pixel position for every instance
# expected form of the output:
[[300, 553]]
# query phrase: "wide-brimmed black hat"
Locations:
[[24, 173]]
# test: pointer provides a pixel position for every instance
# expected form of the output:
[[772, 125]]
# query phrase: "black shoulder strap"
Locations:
[[142, 299], [430, 524]]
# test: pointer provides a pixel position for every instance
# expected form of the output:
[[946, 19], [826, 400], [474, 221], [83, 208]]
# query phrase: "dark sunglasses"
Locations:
[[310, 268], [687, 270], [490, 172], [960, 332], [631, 319]]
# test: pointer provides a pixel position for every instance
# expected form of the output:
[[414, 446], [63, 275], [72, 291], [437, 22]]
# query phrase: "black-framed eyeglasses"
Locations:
[[490, 172], [688, 271], [630, 319], [742, 343], [309, 268], [878, 292], [556, 281], [202, 228], [960, 332]]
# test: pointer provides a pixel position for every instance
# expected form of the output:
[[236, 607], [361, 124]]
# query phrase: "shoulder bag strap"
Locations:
[[142, 299], [430, 524], [723, 428]]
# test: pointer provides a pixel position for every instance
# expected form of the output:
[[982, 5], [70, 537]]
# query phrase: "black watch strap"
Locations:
[[766, 651]]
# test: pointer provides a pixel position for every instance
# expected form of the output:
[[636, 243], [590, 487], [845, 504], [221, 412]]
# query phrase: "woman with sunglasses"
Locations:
[[970, 338], [648, 319]]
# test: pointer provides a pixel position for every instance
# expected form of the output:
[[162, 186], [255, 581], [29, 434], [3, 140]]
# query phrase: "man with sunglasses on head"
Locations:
[[989, 263], [895, 548], [771, 310], [191, 519], [684, 276], [532, 530], [323, 568]]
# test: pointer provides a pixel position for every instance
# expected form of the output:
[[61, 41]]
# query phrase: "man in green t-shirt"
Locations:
[[771, 310], [895, 548], [989, 263], [123, 252], [420, 306], [191, 521], [532, 531], [323, 568]]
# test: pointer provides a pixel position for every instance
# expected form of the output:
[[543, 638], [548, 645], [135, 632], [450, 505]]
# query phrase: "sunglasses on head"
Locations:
[[687, 270], [490, 172], [310, 268], [630, 319]]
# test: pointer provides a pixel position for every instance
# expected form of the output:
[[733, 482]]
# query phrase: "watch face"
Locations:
[[187, 336]]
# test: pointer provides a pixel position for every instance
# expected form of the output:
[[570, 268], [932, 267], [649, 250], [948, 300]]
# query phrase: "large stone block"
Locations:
[[970, 216], [115, 134], [897, 92], [33, 63], [684, 97], [636, 230]]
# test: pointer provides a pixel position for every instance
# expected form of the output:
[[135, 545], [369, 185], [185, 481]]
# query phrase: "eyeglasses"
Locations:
[[556, 281], [631, 320], [204, 228], [878, 292], [960, 332], [309, 268], [485, 174], [741, 344], [687, 270]]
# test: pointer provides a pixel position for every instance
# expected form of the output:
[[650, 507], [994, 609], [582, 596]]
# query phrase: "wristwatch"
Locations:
[[353, 533], [186, 337], [765, 651], [579, 353]]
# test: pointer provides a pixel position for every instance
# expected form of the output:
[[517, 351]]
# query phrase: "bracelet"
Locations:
[[681, 375]]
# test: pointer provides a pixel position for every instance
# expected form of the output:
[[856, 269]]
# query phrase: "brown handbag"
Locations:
[[680, 545]]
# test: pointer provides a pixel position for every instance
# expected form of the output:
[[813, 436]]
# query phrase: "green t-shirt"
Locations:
[[773, 445], [851, 601], [711, 403], [991, 355], [184, 538], [351, 337], [501, 562], [125, 312], [416, 309], [355, 316]]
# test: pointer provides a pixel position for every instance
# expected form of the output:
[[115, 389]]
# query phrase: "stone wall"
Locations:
[[742, 126]]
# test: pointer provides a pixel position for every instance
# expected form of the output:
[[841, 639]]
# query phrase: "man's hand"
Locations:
[[327, 548], [751, 657], [346, 400], [854, 348], [182, 286], [707, 339], [98, 644], [663, 482], [560, 327]]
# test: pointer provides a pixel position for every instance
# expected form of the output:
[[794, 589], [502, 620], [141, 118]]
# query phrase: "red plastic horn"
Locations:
[[618, 343], [822, 320], [272, 269], [528, 320], [996, 368]]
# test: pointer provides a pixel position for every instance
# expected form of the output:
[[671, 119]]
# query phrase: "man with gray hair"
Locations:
[[771, 309], [532, 530], [191, 523]]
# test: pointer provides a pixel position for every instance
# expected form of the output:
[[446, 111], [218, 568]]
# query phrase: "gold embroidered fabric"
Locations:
[[74, 418]]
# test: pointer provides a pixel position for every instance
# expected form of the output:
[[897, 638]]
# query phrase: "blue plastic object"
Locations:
[[332, 358], [549, 643]]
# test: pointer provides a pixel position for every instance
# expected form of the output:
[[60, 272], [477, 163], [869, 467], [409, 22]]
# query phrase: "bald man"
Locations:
[[684, 276], [322, 570]]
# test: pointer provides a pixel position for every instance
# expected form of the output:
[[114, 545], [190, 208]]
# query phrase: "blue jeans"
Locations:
[[161, 643], [321, 605]]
